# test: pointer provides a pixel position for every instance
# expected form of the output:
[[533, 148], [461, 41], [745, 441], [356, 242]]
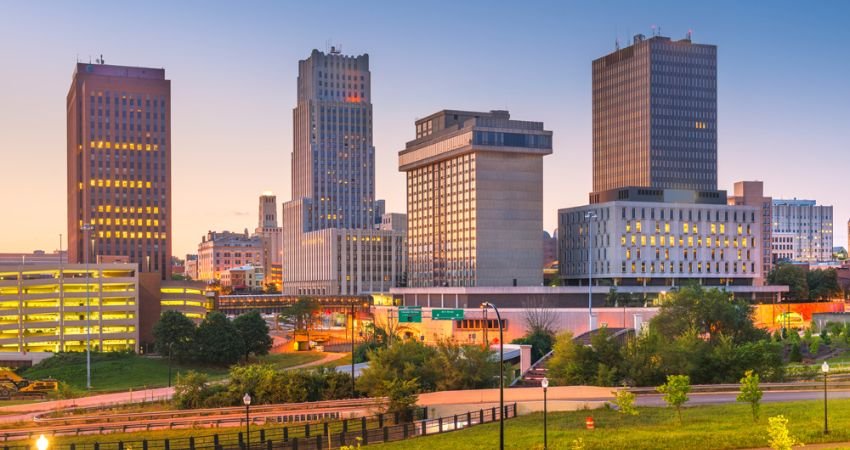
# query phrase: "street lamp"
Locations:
[[41, 443], [825, 369], [87, 229], [545, 384], [485, 305], [246, 399], [590, 215]]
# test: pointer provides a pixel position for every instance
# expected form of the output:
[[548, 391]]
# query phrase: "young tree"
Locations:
[[173, 334], [254, 332], [217, 341], [402, 396], [625, 402], [571, 363], [676, 391], [751, 392]]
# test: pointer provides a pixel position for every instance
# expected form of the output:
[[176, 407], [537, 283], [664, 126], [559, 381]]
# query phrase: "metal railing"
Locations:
[[332, 434]]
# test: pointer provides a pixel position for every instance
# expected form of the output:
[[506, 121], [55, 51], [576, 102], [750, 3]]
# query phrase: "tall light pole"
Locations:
[[352, 352], [825, 369], [87, 229], [485, 305], [590, 215], [545, 384], [246, 399]]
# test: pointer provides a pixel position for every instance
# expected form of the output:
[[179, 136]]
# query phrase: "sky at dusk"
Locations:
[[783, 76]]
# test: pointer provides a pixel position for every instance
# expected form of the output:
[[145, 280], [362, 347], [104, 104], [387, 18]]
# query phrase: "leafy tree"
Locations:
[[402, 395], [464, 367], [173, 334], [541, 342], [217, 341], [190, 390], [403, 360], [823, 284], [778, 436], [792, 276], [751, 392], [271, 288], [301, 313], [711, 312], [676, 391], [625, 402], [571, 363], [254, 332]]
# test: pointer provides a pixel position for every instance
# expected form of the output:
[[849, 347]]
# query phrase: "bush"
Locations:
[[625, 402], [778, 436], [751, 392], [795, 355]]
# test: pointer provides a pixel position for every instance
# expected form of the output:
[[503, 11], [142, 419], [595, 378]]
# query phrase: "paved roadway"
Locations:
[[713, 398]]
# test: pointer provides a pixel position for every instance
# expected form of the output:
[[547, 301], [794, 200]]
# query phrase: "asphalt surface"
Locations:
[[713, 398]]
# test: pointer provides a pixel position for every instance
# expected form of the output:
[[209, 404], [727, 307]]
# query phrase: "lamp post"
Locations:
[[87, 229], [825, 369], [485, 305], [41, 443], [590, 215], [545, 384], [246, 399]]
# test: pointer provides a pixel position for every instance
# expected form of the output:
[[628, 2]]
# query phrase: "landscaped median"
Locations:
[[703, 427]]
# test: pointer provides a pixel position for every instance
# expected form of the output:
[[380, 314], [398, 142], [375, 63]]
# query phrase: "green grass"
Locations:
[[704, 427], [113, 371], [286, 360]]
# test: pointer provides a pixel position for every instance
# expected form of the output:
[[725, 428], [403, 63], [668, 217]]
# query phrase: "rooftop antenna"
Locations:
[[690, 33], [616, 44], [100, 60]]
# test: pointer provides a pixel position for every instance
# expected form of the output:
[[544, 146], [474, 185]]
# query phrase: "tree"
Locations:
[[625, 402], [402, 395], [190, 390], [571, 363], [271, 288], [217, 341], [823, 284], [751, 392], [538, 316], [464, 367], [173, 334], [403, 360], [711, 312], [676, 391], [254, 332], [795, 355], [301, 314], [540, 341], [792, 276]]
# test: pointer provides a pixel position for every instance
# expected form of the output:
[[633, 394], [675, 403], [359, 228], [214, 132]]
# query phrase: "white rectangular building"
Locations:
[[660, 243], [802, 231]]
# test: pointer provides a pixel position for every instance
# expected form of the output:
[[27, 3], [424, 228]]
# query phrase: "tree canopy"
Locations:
[[254, 333], [173, 335]]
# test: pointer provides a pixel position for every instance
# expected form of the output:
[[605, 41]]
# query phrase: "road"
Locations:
[[713, 398]]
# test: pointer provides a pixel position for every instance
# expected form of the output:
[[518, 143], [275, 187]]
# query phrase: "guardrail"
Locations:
[[365, 430], [767, 387], [49, 418], [287, 413]]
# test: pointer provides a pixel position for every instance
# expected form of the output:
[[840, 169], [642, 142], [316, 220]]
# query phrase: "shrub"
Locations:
[[795, 355], [778, 436], [625, 402]]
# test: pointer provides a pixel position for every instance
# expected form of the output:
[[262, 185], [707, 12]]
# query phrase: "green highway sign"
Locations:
[[410, 314], [447, 314]]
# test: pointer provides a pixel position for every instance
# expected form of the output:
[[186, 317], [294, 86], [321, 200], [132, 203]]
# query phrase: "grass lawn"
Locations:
[[703, 427], [286, 360], [113, 371]]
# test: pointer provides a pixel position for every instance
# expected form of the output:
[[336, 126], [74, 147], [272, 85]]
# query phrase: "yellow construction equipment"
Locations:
[[12, 383]]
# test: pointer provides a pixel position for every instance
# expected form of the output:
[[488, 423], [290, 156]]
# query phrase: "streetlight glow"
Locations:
[[825, 369], [41, 443], [246, 399], [545, 384]]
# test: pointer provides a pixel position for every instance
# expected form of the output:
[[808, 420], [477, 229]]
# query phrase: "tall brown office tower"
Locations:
[[119, 166], [655, 116]]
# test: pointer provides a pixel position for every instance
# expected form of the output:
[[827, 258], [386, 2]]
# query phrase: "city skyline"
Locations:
[[773, 107]]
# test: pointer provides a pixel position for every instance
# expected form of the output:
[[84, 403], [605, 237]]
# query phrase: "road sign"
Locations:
[[447, 314], [410, 314]]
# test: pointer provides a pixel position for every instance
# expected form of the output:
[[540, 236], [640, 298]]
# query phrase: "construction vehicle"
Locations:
[[12, 384]]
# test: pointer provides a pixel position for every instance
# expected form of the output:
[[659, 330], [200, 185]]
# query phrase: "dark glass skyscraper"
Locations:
[[655, 116]]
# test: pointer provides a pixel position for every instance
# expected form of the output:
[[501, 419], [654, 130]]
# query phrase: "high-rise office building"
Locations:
[[330, 243], [119, 166], [751, 193], [475, 200], [802, 231], [655, 116]]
